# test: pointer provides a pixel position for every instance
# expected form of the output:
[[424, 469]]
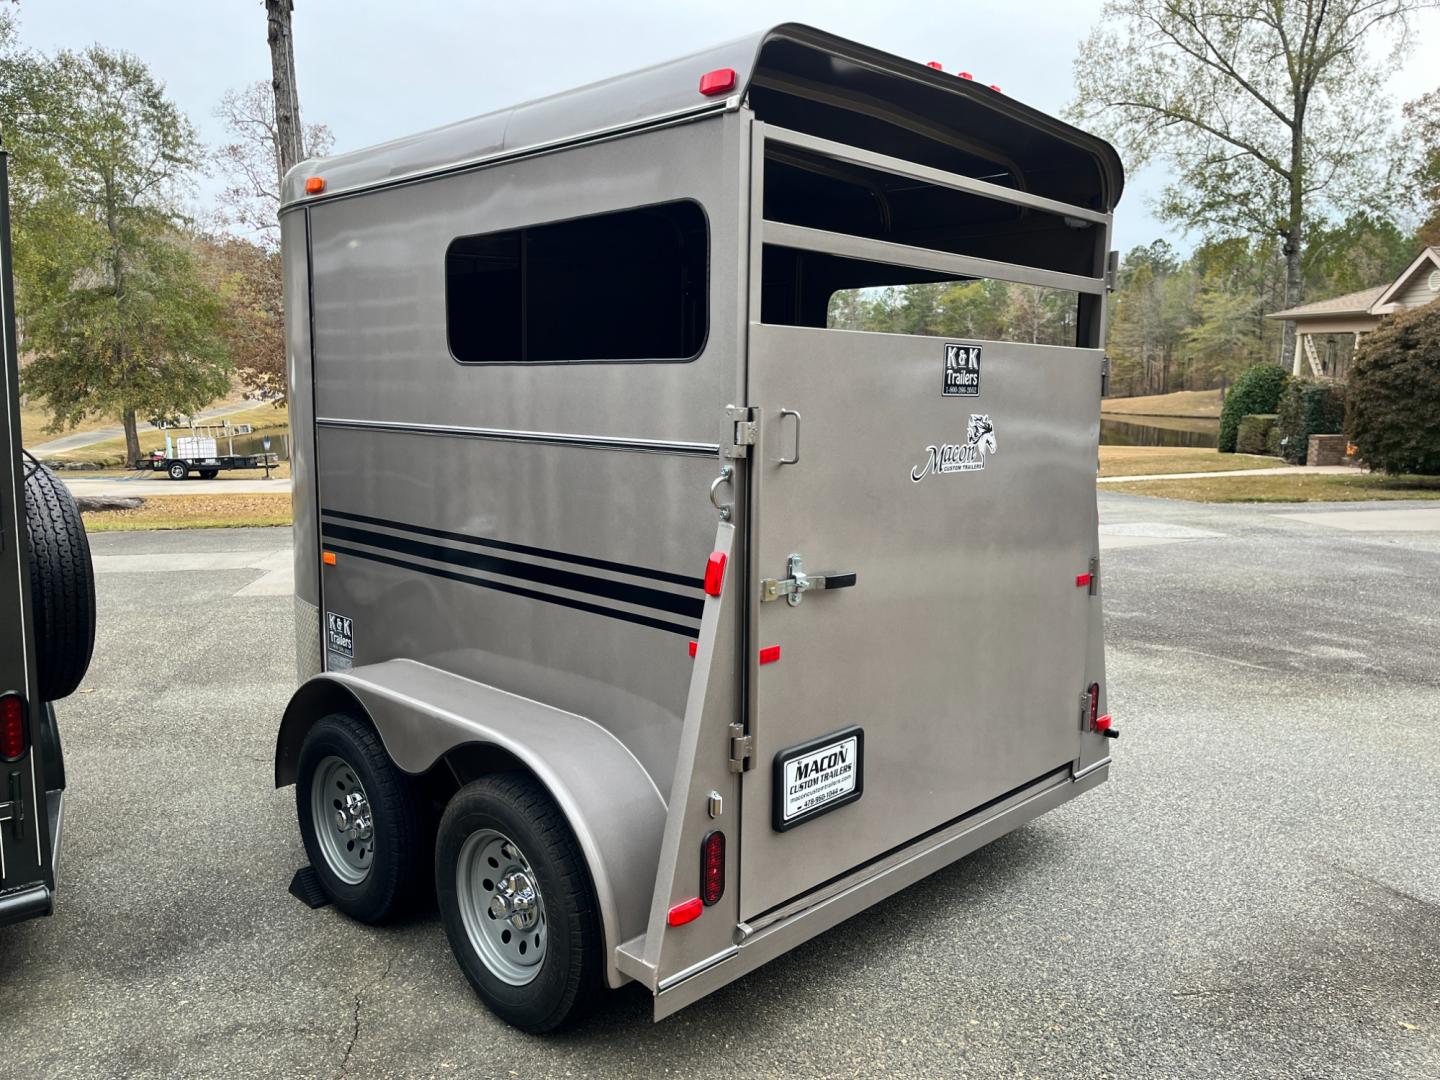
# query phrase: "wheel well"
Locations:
[[321, 697]]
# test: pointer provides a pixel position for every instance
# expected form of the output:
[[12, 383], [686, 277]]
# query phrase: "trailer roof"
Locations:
[[666, 92]]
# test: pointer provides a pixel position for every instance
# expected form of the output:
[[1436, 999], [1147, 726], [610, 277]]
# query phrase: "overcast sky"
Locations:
[[376, 69]]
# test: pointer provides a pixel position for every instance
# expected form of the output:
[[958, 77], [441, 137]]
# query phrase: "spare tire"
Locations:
[[62, 584]]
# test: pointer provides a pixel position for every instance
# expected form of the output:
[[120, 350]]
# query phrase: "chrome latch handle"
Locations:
[[794, 587], [726, 472], [796, 459]]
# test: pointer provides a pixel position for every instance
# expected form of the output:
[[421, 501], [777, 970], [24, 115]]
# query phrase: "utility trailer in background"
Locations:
[[688, 623], [199, 453]]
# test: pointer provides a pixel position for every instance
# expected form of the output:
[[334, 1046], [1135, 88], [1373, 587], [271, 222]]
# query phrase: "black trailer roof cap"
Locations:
[[788, 59]]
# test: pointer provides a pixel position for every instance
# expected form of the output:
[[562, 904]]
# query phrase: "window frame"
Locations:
[[520, 229]]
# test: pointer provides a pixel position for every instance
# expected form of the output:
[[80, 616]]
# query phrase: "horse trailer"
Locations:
[[652, 605]]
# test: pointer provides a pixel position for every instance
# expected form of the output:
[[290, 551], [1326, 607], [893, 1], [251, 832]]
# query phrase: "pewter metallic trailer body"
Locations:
[[587, 490]]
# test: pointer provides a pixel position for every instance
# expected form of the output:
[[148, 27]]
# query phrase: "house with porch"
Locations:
[[1327, 331]]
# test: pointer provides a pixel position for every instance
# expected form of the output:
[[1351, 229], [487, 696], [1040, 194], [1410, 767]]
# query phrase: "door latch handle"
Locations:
[[794, 587], [796, 459]]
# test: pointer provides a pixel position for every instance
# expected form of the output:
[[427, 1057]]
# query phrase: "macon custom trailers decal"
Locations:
[[698, 622]]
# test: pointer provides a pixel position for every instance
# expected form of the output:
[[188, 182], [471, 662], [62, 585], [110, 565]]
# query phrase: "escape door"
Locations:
[[956, 481]]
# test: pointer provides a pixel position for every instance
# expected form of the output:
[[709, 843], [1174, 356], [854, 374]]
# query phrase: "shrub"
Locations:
[[1254, 432], [1308, 407], [1393, 412], [1256, 391]]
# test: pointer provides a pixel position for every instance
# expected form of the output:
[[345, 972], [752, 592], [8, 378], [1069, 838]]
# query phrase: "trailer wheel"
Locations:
[[209, 474], [518, 903], [361, 820], [178, 470], [62, 584]]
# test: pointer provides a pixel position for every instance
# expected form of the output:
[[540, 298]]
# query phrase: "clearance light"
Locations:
[[314, 185], [965, 75], [1082, 581], [12, 727], [936, 65], [694, 648], [719, 81], [712, 868], [715, 573], [685, 911], [328, 558], [769, 654], [996, 88]]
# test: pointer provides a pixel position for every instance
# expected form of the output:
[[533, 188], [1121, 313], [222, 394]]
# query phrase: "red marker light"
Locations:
[[712, 867], [965, 75], [1103, 724], [1082, 580], [1094, 703], [719, 81], [694, 648], [12, 727], [685, 911], [996, 88], [936, 65], [715, 573], [769, 654]]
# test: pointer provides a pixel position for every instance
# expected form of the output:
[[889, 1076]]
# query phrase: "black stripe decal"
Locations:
[[516, 590], [522, 549], [687, 606]]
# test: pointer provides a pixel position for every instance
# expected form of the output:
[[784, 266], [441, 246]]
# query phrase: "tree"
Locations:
[[1393, 404], [246, 278], [252, 160], [289, 133], [1421, 139], [1257, 391], [1265, 109], [114, 311]]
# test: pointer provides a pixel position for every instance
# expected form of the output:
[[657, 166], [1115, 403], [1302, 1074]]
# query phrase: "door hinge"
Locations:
[[1104, 376], [742, 429], [1094, 574], [1112, 270], [741, 747]]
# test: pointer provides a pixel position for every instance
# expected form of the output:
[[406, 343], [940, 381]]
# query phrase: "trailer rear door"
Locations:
[[956, 480]]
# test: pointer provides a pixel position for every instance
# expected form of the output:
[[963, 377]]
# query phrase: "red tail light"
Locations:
[[12, 727], [1094, 703], [712, 867]]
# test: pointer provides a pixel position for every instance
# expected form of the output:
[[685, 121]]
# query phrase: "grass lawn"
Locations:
[[266, 419], [1292, 487], [194, 512], [1192, 403], [1143, 460]]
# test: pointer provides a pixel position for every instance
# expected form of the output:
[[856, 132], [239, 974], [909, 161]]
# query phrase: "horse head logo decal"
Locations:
[[968, 456]]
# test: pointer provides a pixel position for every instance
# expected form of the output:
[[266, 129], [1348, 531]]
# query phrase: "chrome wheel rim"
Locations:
[[340, 813], [501, 906]]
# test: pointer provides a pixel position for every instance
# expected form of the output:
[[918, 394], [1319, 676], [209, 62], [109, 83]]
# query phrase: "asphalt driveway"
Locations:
[[1255, 893]]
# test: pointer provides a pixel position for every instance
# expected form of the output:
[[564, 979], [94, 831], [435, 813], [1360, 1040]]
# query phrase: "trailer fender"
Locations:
[[421, 713]]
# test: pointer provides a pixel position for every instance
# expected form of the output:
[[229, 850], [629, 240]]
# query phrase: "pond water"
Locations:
[[1158, 431]]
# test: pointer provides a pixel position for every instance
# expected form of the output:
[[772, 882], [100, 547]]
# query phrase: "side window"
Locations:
[[629, 285]]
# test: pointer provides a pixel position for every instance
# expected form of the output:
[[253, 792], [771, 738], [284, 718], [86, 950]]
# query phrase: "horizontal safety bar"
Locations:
[[926, 174], [943, 262]]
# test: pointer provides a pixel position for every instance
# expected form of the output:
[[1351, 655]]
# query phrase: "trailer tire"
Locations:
[[178, 470], [62, 585], [376, 868], [209, 474], [515, 812]]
